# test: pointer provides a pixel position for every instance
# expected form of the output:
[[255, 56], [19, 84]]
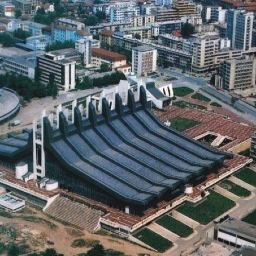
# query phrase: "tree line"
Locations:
[[108, 79]]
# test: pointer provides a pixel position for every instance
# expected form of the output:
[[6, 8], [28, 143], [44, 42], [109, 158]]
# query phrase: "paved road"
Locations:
[[246, 111]]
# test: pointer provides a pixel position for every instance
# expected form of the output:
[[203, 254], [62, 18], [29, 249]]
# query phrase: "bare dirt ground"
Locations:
[[41, 232]]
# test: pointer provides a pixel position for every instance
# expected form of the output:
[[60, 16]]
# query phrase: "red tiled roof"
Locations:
[[104, 54], [106, 32]]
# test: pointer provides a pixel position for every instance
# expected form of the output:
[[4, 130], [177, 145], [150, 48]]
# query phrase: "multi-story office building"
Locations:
[[126, 13], [204, 46], [62, 69], [164, 14], [238, 73], [144, 60], [142, 20], [184, 8], [214, 14], [84, 46], [239, 28], [24, 65]]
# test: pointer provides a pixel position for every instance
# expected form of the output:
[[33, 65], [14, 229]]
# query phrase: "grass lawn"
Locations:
[[201, 97], [154, 240], [175, 226], [247, 175], [182, 91], [209, 209], [184, 104], [250, 218], [181, 124], [234, 188], [215, 104]]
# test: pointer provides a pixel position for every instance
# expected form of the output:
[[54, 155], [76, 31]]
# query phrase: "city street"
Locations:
[[240, 108]]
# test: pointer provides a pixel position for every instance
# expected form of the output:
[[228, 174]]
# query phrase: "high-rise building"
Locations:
[[238, 73], [144, 60], [62, 69], [85, 46], [239, 28]]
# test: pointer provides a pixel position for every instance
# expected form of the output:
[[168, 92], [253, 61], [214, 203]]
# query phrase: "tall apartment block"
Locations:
[[238, 73], [239, 28], [204, 46], [62, 69], [144, 60], [118, 14], [85, 45]]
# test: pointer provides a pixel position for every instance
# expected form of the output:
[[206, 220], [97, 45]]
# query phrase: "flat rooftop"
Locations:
[[239, 227]]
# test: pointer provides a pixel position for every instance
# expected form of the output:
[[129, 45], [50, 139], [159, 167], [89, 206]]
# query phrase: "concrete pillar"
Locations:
[[127, 209], [74, 102]]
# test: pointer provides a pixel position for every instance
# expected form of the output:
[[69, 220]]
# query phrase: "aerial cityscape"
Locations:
[[127, 128]]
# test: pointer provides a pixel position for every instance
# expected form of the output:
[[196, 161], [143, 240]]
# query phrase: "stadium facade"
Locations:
[[125, 157]]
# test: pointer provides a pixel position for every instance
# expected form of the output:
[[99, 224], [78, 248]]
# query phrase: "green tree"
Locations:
[[85, 84], [187, 29], [104, 67], [100, 15], [21, 34], [17, 13], [91, 20], [13, 250], [40, 11], [50, 84], [137, 36], [97, 250], [57, 45], [6, 40]]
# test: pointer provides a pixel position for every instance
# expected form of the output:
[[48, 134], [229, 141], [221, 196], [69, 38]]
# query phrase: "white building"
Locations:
[[24, 65], [144, 60], [236, 233], [62, 69], [37, 42], [85, 46]]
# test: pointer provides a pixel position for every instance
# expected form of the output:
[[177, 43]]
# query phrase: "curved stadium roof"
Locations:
[[128, 152]]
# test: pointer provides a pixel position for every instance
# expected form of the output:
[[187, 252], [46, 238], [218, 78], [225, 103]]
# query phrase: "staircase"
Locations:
[[74, 213]]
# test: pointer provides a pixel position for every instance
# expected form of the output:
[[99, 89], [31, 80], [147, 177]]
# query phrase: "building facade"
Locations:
[[62, 69], [114, 60], [84, 46], [144, 60], [239, 28], [238, 73]]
